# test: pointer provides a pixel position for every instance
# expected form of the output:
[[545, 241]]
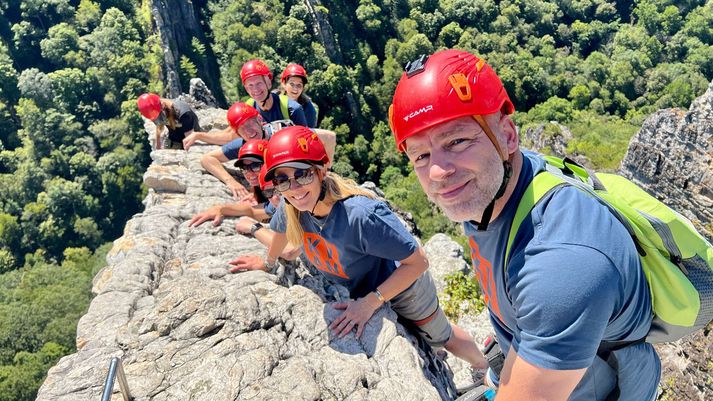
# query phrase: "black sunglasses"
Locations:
[[253, 167], [302, 177]]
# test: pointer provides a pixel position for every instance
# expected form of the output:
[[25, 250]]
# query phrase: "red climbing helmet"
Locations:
[[261, 178], [295, 146], [239, 113], [149, 105], [253, 150], [444, 86], [293, 70], [255, 68]]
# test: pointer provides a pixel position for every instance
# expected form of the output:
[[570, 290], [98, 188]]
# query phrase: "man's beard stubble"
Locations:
[[477, 195]]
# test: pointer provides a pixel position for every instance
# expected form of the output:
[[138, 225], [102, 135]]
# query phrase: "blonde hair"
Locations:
[[337, 188], [171, 116]]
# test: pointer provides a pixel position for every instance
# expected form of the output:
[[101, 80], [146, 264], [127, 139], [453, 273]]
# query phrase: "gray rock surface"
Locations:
[[201, 93], [672, 157], [552, 138], [445, 257], [178, 26]]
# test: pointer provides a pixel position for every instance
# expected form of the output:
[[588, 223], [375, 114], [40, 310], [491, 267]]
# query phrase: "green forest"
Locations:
[[73, 149]]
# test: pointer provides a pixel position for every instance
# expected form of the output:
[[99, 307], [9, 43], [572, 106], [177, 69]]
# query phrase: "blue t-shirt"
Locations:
[[269, 208], [230, 150], [574, 278], [355, 245], [310, 114], [297, 114]]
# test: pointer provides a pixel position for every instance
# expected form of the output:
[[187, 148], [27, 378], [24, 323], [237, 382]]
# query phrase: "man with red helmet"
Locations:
[[565, 293], [294, 80], [243, 121], [176, 115], [257, 81]]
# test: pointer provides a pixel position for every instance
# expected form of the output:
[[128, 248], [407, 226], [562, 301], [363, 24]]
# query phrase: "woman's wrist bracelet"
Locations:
[[379, 296], [270, 267]]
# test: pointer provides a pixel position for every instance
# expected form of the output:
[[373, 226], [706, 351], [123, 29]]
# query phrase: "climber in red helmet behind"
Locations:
[[257, 81], [175, 115], [294, 80], [247, 123], [569, 302], [354, 240], [240, 117]]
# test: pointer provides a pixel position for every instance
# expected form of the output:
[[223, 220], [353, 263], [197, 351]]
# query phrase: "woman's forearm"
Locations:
[[406, 274], [279, 241]]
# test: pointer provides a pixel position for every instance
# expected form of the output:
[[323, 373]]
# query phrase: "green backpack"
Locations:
[[677, 260], [284, 109]]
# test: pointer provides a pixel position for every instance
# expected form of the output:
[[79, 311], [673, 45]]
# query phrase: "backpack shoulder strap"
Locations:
[[284, 107], [542, 184], [558, 173]]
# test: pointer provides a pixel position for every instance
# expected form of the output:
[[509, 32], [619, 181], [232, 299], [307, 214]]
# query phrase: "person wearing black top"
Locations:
[[176, 115]]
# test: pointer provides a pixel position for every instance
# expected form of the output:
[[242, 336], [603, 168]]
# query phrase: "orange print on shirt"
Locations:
[[323, 255], [483, 270]]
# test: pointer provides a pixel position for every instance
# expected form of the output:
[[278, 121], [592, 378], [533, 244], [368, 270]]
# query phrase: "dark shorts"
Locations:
[[419, 304]]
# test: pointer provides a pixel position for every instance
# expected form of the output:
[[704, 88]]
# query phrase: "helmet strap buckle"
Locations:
[[459, 82], [302, 143]]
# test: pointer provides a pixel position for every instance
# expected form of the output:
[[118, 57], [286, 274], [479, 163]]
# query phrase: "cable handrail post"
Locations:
[[115, 367]]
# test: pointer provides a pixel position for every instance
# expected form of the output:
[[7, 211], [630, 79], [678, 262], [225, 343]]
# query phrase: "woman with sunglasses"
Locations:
[[294, 80], [354, 240], [261, 206], [176, 115]]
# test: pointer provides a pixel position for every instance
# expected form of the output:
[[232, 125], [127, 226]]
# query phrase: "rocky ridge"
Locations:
[[186, 328], [672, 157]]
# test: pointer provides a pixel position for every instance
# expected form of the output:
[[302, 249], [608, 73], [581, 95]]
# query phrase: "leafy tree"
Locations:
[[368, 15], [554, 109], [450, 34], [88, 15], [470, 13], [35, 85], [46, 129], [293, 41], [61, 42], [580, 96], [417, 45]]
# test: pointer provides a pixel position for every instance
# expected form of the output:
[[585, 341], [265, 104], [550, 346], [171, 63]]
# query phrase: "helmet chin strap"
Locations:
[[322, 194], [488, 212], [507, 174], [264, 101]]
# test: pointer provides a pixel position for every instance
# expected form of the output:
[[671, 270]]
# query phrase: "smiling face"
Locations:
[[458, 166], [294, 87], [251, 129], [257, 87], [251, 176], [302, 196]]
